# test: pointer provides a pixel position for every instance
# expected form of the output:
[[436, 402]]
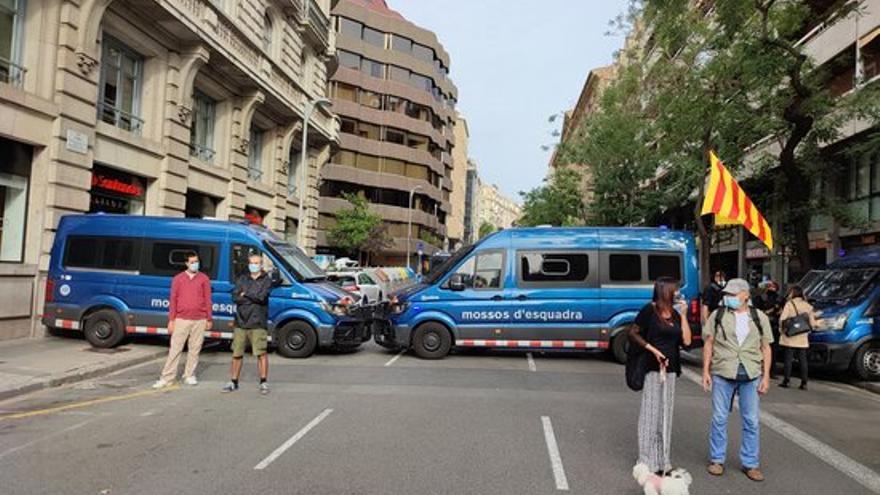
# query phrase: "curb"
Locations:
[[79, 375]]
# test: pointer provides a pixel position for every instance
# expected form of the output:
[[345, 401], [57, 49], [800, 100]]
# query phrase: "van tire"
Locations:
[[866, 362], [431, 341], [619, 346], [104, 328], [297, 339]]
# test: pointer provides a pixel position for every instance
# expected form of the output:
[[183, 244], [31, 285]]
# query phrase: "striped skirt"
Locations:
[[656, 413]]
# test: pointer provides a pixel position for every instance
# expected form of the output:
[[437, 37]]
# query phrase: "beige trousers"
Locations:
[[191, 332]]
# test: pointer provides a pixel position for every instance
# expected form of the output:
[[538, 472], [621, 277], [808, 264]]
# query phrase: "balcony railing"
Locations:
[[11, 73], [120, 118], [313, 21], [203, 153], [255, 174]]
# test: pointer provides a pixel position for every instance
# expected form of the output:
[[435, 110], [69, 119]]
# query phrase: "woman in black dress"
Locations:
[[661, 329]]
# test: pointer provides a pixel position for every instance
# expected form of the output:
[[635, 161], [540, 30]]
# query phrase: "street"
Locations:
[[378, 422]]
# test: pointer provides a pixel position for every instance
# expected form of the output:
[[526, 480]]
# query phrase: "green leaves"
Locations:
[[359, 229], [559, 202]]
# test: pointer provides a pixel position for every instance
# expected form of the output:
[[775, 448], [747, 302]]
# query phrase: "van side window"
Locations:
[[240, 255], [625, 267], [168, 258], [554, 267], [664, 265], [483, 271], [102, 253]]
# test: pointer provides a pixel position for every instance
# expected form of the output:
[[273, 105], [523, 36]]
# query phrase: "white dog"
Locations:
[[675, 483]]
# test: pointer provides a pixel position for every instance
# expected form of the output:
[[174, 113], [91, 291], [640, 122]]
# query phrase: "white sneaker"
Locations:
[[160, 383], [191, 380]]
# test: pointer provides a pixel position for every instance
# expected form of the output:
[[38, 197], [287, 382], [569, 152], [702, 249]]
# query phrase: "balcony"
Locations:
[[11, 73], [202, 153], [313, 23], [120, 118]]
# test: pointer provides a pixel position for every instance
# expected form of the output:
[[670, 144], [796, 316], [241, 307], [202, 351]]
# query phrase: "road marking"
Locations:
[[92, 402], [292, 440], [47, 437], [862, 474], [531, 360], [395, 358], [553, 451]]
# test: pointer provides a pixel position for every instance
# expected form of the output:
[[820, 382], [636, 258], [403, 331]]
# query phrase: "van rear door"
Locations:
[[556, 296]]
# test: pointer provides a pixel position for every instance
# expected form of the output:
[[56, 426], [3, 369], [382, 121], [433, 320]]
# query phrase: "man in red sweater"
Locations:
[[189, 315]]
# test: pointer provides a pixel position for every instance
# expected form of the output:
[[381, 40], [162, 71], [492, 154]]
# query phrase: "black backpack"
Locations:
[[753, 312]]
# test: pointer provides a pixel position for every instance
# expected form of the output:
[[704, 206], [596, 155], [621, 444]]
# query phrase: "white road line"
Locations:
[[292, 440], [836, 459], [395, 358], [555, 458], [47, 437], [531, 360]]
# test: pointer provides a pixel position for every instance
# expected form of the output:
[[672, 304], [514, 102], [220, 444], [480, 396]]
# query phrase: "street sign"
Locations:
[[420, 247]]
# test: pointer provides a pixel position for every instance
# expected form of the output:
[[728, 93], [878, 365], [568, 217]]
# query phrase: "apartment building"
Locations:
[[472, 203], [455, 228], [496, 209], [397, 108], [176, 108]]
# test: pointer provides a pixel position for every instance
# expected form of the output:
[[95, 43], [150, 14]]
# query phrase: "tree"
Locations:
[[358, 230], [559, 201], [486, 228]]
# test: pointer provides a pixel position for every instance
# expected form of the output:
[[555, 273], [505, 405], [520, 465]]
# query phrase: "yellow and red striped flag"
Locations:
[[730, 205]]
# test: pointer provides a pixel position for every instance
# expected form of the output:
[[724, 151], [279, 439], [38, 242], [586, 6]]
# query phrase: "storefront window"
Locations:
[[11, 37], [121, 79], [201, 144], [15, 171], [114, 191]]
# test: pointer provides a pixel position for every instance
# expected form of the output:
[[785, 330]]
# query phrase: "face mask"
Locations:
[[193, 267], [732, 302], [254, 267]]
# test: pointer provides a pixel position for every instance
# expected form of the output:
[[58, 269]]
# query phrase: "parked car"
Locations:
[[362, 283], [847, 297], [110, 276], [548, 288]]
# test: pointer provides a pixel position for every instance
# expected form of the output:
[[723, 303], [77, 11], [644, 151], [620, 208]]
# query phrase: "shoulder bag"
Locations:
[[797, 324]]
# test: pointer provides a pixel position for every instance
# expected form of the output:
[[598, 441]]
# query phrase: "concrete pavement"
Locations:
[[471, 423]]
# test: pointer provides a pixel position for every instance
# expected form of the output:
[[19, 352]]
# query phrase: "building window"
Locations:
[[15, 172], [120, 85], [863, 186], [293, 171], [291, 225], [348, 59], [11, 39], [368, 131], [346, 92], [373, 68], [401, 44], [398, 74], [368, 162], [395, 136], [201, 135], [423, 53], [395, 104], [268, 32], [115, 191], [200, 205], [370, 99], [350, 28], [373, 37], [347, 126], [255, 152]]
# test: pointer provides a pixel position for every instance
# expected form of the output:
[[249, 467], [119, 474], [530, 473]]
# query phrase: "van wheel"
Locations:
[[619, 347], [866, 362], [297, 339], [104, 328], [431, 341]]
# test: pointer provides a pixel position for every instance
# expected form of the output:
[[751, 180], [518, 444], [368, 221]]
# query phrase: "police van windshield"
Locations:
[[437, 273], [839, 285], [296, 262]]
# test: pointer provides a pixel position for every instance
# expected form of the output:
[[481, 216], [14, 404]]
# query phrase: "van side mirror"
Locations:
[[456, 282]]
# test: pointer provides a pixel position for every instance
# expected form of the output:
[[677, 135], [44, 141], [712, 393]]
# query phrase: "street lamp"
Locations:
[[412, 192], [303, 159]]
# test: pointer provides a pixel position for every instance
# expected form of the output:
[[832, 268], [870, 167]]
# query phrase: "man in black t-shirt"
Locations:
[[713, 296]]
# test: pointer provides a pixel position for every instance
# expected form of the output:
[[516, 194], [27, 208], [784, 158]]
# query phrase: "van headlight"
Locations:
[[832, 323], [397, 307], [338, 308]]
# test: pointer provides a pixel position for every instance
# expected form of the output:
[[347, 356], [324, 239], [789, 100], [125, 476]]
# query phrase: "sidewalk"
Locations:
[[27, 365]]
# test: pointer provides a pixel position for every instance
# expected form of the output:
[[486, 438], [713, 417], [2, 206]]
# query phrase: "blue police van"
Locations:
[[110, 276], [542, 287], [846, 296]]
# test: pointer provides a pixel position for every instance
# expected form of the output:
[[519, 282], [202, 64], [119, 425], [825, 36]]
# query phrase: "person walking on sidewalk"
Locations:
[[189, 315], [736, 360], [712, 295], [799, 344], [251, 295], [661, 329]]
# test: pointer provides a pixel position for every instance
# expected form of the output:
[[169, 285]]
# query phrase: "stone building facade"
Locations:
[[173, 108]]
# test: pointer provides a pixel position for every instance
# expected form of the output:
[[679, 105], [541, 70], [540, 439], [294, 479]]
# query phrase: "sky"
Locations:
[[516, 63]]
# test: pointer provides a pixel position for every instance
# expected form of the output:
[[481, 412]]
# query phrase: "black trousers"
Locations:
[[802, 358]]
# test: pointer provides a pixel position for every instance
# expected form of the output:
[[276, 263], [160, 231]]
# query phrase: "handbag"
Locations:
[[797, 324], [637, 365]]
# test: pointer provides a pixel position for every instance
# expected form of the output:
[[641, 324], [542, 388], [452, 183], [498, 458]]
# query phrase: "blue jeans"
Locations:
[[722, 397]]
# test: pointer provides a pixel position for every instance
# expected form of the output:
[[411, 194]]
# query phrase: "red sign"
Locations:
[[254, 218], [117, 186]]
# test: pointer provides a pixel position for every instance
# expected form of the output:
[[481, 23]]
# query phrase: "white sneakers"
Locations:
[[191, 380], [160, 383]]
